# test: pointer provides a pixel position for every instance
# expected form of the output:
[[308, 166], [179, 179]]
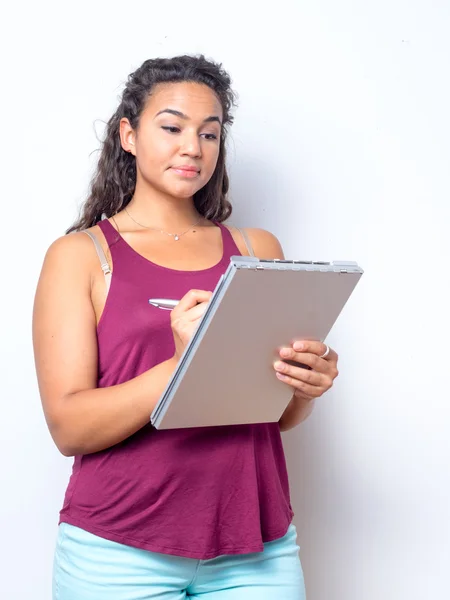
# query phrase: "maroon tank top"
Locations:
[[199, 492]]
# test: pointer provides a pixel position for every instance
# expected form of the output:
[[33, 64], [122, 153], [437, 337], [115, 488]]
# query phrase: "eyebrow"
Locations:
[[177, 113]]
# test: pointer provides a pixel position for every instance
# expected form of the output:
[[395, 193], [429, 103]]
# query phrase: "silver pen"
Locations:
[[167, 304], [163, 303]]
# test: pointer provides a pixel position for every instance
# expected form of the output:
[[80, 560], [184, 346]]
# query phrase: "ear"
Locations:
[[127, 136]]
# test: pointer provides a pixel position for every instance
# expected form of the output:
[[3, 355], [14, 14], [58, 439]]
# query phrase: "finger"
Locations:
[[312, 391], [197, 312], [315, 347], [311, 361], [312, 378], [191, 299]]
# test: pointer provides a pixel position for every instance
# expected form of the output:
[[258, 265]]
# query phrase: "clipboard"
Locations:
[[225, 375]]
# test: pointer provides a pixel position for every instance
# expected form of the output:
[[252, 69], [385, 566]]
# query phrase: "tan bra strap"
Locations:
[[101, 255], [247, 241]]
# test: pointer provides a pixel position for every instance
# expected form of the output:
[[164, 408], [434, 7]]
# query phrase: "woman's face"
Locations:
[[178, 138]]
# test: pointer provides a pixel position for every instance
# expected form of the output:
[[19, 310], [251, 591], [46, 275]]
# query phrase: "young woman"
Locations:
[[200, 513]]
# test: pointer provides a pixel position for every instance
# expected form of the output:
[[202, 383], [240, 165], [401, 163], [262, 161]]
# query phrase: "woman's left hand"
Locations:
[[307, 383]]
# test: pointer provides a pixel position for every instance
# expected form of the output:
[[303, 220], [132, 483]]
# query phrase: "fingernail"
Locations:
[[279, 365], [284, 352], [298, 346], [281, 376]]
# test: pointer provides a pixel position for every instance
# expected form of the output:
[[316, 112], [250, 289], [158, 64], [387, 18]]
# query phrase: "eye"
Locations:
[[170, 129], [210, 136]]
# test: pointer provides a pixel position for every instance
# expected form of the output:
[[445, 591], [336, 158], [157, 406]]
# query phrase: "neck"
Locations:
[[156, 209]]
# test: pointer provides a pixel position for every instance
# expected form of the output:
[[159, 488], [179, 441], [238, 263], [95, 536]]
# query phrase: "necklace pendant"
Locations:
[[176, 238]]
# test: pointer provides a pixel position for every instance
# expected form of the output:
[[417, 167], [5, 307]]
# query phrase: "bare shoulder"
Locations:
[[75, 249], [265, 244], [72, 259]]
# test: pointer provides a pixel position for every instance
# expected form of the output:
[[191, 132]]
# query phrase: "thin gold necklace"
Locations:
[[176, 236]]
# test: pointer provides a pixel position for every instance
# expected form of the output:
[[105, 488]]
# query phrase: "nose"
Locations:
[[191, 145]]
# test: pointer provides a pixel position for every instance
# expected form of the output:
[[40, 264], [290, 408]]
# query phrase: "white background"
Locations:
[[341, 148]]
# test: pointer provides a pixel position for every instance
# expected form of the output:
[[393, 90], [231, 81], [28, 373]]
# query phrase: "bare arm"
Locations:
[[297, 411], [81, 417]]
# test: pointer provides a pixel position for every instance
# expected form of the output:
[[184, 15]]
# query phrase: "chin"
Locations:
[[184, 191]]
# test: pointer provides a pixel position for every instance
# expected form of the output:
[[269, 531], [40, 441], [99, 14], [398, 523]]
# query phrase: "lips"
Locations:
[[186, 168], [187, 172]]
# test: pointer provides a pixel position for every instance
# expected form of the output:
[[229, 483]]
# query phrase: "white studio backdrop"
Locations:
[[341, 148]]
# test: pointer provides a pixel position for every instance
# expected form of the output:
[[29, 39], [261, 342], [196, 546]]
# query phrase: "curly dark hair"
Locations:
[[114, 181]]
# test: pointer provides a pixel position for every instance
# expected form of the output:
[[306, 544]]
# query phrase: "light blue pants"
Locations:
[[88, 567]]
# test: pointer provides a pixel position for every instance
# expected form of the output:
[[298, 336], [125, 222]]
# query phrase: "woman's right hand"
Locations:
[[185, 318]]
